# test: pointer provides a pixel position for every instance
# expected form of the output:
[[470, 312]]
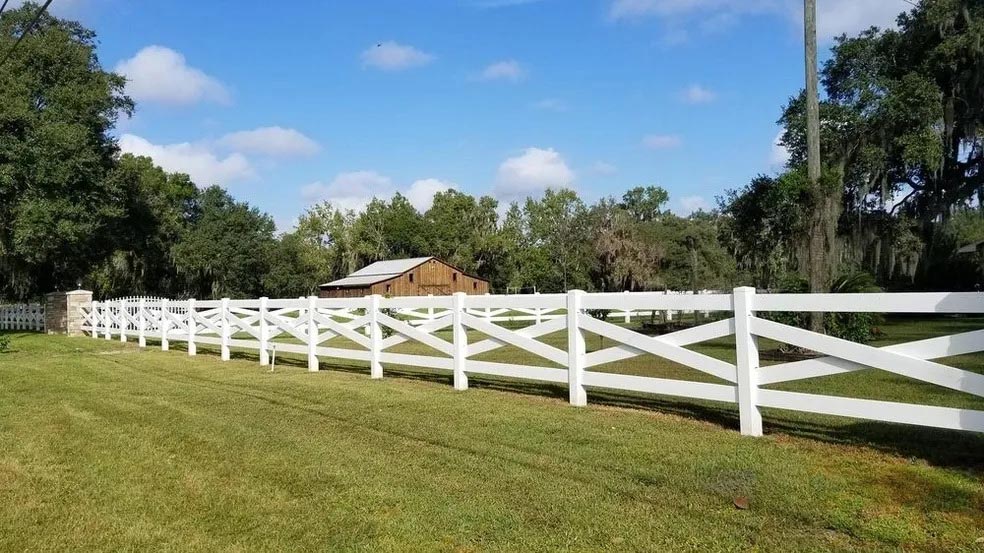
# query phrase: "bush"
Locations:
[[855, 327], [4, 343], [387, 331], [600, 314]]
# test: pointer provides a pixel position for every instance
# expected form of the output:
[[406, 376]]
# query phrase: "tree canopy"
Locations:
[[901, 192]]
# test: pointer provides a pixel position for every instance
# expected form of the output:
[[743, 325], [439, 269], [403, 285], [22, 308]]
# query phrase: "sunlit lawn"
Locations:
[[105, 446]]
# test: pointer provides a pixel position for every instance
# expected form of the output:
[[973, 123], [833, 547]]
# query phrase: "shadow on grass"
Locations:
[[946, 448]]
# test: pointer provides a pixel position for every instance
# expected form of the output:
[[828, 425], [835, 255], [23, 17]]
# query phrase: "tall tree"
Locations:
[[57, 106], [154, 208], [764, 227], [626, 242], [464, 231], [225, 251], [559, 255], [645, 203]]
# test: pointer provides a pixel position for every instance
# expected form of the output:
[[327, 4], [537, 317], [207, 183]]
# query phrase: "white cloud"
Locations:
[[697, 94], [661, 141], [551, 104], [271, 141], [351, 190], [836, 17], [778, 155], [690, 204], [421, 192], [285, 224], [506, 70], [531, 173], [603, 168], [354, 190], [203, 166], [159, 74], [392, 56], [833, 16]]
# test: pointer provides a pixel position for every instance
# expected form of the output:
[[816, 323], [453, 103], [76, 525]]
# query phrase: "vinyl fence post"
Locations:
[[576, 350], [94, 317], [460, 338], [628, 313], [375, 338], [141, 324], [124, 322], [539, 311], [264, 333], [746, 345], [225, 329], [165, 325], [669, 312], [192, 327], [107, 320], [312, 333]]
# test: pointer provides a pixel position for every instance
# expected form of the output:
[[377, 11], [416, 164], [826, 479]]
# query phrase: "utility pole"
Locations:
[[812, 102], [817, 248]]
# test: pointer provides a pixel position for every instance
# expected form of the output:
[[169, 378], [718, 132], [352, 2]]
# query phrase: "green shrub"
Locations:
[[600, 314], [4, 343], [387, 331], [856, 327]]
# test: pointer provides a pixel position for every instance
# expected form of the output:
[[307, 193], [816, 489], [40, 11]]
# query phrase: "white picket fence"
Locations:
[[22, 316], [132, 305], [311, 322]]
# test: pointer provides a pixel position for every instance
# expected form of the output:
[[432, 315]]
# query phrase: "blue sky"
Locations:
[[286, 105]]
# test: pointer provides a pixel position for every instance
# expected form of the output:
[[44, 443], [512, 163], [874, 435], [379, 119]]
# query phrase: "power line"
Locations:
[[3, 6], [27, 30]]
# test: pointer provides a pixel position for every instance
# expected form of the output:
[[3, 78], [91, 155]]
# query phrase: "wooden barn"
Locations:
[[418, 276]]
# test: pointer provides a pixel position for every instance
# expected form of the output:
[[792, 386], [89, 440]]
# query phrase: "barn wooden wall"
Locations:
[[431, 277], [345, 293]]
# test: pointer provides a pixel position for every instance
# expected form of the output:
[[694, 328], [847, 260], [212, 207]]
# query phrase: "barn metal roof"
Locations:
[[377, 272], [390, 267], [971, 248]]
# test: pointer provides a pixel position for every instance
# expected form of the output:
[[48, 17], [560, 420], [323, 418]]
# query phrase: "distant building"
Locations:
[[418, 276]]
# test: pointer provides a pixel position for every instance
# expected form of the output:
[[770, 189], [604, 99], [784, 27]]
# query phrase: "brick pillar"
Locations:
[[61, 312]]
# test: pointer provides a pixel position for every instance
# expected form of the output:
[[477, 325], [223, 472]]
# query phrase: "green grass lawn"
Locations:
[[105, 446]]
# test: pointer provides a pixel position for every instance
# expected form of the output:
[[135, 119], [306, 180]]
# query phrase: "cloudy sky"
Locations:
[[290, 104]]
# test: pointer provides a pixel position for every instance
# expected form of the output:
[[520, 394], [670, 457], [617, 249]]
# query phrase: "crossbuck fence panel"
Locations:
[[22, 316], [374, 325]]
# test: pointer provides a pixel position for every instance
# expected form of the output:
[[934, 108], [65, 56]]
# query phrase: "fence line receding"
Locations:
[[374, 325]]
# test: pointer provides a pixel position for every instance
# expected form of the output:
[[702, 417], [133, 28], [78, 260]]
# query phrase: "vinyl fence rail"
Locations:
[[311, 322], [22, 316]]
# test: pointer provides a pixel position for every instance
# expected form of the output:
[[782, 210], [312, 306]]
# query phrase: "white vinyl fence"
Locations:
[[313, 321], [132, 304], [22, 316]]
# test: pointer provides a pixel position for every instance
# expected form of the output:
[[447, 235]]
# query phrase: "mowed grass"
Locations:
[[104, 446]]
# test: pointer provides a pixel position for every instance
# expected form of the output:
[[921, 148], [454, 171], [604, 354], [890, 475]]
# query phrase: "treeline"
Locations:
[[903, 161], [901, 193]]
